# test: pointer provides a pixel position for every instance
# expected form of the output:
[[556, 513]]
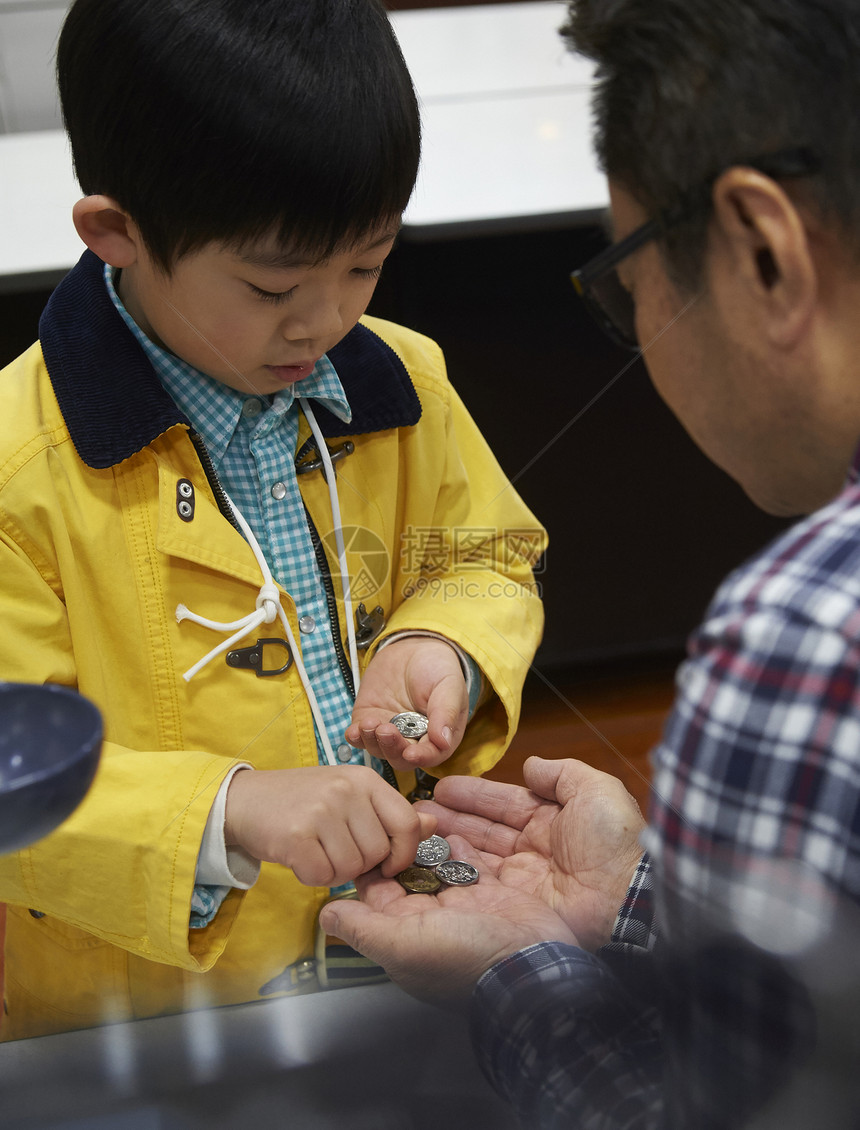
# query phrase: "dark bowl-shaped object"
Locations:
[[50, 742]]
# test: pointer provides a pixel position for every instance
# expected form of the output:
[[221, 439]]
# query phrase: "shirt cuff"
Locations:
[[558, 1036], [218, 865], [635, 924], [471, 671]]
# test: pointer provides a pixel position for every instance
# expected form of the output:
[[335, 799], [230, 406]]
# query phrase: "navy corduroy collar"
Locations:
[[115, 405]]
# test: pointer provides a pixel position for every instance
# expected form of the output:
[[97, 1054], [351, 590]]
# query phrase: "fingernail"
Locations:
[[446, 734]]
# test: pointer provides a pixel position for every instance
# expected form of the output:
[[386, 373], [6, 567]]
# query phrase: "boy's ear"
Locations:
[[107, 230]]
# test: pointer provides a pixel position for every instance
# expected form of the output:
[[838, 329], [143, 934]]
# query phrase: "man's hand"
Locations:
[[436, 947], [414, 673], [571, 838], [555, 862], [328, 823]]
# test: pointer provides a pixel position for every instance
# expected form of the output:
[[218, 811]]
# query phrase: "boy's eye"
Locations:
[[271, 296], [368, 272]]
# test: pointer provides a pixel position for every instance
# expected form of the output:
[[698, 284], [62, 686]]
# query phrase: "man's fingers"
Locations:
[[560, 780], [483, 834], [512, 805], [376, 890], [352, 922]]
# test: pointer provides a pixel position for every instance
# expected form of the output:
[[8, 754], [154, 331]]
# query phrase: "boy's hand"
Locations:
[[414, 673], [329, 824]]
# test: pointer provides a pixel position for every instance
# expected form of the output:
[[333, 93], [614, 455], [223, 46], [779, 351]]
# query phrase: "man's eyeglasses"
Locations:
[[598, 284]]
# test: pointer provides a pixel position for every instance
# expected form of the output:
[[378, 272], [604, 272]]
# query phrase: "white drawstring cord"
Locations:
[[268, 603], [331, 482]]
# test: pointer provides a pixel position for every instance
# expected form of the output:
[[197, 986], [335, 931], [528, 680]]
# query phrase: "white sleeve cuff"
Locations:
[[218, 865]]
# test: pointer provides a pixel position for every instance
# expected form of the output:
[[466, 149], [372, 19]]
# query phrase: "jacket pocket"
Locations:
[[59, 977]]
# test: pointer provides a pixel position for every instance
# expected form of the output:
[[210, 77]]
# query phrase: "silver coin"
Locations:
[[432, 851], [410, 723], [457, 873]]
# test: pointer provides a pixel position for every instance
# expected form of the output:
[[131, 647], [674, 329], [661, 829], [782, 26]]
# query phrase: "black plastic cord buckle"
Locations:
[[251, 658], [368, 626], [308, 464]]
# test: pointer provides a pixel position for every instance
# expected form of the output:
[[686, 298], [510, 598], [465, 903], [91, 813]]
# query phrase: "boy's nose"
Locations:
[[319, 322]]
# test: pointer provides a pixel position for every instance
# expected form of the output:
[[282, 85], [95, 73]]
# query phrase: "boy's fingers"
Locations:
[[313, 866], [402, 824], [421, 755], [428, 823]]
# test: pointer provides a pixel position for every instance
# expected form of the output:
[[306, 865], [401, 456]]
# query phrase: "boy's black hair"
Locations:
[[230, 120], [688, 88]]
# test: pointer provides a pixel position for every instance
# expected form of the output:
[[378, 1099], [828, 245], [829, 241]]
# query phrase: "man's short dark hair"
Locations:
[[688, 88], [230, 120]]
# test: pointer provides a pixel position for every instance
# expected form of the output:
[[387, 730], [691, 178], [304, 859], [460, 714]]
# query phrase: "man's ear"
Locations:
[[107, 230], [767, 252]]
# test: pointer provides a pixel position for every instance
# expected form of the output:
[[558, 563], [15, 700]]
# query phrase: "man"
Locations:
[[729, 134]]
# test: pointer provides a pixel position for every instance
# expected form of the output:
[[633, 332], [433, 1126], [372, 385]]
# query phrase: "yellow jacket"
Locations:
[[95, 556]]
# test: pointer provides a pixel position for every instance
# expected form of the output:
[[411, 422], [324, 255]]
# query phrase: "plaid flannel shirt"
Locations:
[[754, 843]]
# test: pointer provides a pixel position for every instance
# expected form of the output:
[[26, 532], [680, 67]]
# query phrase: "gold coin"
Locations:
[[419, 881]]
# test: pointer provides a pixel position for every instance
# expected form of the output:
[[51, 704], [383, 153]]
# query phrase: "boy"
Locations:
[[207, 440]]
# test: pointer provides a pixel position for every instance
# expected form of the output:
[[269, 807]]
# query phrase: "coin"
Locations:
[[419, 881], [432, 851], [457, 873], [410, 723]]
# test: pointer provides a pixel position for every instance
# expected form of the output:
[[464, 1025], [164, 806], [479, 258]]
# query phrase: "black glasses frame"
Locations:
[[797, 162]]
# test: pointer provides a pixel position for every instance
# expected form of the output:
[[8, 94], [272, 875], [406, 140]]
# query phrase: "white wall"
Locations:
[[28, 37]]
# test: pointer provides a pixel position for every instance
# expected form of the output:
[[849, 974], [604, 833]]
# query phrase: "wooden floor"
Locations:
[[610, 720]]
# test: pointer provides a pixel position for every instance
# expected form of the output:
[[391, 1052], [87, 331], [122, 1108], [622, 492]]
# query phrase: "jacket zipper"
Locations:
[[331, 601], [213, 480]]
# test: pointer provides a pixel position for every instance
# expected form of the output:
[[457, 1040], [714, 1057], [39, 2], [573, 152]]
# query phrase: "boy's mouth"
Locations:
[[291, 373]]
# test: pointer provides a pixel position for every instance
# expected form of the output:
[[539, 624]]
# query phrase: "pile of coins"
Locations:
[[434, 868]]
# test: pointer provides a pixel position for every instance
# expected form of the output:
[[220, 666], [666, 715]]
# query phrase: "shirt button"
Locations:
[[344, 753], [307, 624], [251, 408], [279, 491]]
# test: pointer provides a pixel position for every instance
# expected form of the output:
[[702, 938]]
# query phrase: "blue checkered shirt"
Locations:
[[749, 995]]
